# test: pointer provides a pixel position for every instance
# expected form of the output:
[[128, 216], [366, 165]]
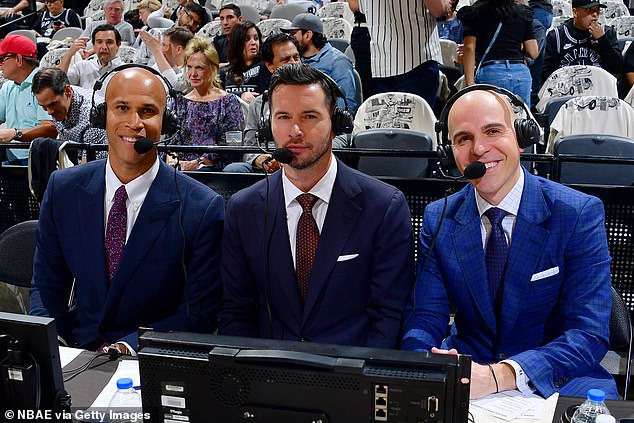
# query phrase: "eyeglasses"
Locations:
[[191, 17], [6, 57]]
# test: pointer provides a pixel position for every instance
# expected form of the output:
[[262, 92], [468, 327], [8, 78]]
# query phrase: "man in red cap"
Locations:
[[19, 108]]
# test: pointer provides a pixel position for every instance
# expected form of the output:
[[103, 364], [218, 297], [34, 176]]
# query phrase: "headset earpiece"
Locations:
[[98, 112], [527, 131]]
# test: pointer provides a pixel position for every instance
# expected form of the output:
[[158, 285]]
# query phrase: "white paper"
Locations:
[[126, 368], [66, 355], [513, 406]]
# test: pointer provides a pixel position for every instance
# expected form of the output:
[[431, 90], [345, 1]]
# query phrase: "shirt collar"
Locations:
[[137, 188], [76, 101], [322, 189], [317, 57], [510, 203], [29, 79]]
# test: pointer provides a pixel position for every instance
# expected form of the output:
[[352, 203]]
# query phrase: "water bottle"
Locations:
[[125, 405], [591, 408]]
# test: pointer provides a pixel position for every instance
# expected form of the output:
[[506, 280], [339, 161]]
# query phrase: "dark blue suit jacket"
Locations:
[[362, 274], [556, 302], [149, 286]]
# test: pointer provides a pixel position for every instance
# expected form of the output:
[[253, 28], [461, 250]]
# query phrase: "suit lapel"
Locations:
[[91, 226], [281, 267], [340, 219], [467, 242], [527, 247], [158, 207]]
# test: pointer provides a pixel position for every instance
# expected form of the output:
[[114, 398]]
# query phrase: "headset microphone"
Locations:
[[144, 145], [475, 170], [283, 155]]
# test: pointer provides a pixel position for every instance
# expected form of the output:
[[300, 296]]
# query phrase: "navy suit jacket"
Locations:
[[556, 299], [149, 288], [361, 277]]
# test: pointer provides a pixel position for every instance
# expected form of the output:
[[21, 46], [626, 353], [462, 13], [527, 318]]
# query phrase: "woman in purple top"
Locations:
[[207, 111]]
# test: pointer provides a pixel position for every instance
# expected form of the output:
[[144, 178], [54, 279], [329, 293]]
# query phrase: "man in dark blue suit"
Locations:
[[141, 243], [523, 260], [337, 273]]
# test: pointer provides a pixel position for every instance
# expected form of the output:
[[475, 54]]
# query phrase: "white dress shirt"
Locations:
[[510, 204], [322, 190], [137, 189]]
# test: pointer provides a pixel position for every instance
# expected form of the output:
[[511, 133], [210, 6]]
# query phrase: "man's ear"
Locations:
[[269, 66]]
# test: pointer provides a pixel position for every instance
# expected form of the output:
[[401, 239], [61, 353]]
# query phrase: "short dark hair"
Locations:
[[179, 36], [267, 47], [106, 27], [302, 74], [53, 78], [319, 39], [194, 7], [31, 61], [234, 7]]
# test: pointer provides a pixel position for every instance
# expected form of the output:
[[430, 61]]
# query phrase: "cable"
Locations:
[[112, 354], [266, 243]]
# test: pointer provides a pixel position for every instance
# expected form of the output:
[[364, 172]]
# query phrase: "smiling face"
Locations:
[[486, 136], [56, 106], [135, 101]]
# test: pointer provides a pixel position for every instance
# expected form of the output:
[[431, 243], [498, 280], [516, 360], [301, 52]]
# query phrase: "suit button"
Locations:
[[501, 356]]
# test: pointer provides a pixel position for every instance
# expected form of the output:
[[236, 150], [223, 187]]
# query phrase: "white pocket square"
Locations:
[[546, 273], [347, 257]]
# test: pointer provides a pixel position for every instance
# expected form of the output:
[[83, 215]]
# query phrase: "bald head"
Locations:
[[133, 80], [474, 102]]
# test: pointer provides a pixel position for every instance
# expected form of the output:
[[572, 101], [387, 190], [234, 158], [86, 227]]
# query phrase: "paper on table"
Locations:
[[514, 406], [66, 355], [126, 368]]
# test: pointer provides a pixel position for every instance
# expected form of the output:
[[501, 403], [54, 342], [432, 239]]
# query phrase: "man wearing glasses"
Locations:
[[582, 40], [19, 108]]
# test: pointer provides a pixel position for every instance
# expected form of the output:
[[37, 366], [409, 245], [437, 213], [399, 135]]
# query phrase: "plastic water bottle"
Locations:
[[591, 408], [125, 405]]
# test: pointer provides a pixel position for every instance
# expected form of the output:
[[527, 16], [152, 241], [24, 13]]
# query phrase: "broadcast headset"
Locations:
[[527, 131]]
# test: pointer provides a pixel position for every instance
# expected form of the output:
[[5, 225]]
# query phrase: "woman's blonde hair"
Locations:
[[152, 5], [201, 45]]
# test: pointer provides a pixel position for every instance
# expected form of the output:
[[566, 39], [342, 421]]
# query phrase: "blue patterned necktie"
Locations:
[[115, 231], [497, 251], [306, 243]]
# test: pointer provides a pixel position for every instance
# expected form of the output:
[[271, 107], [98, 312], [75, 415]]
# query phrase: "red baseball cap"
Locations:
[[18, 44]]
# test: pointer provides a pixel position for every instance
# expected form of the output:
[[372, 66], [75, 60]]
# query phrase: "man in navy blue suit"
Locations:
[[523, 260], [141, 243], [330, 260]]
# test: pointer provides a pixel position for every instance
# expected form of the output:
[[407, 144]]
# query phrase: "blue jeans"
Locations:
[[423, 80], [515, 77], [542, 19]]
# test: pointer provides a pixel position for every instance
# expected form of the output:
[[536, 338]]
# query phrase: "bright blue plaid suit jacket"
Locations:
[[555, 327]]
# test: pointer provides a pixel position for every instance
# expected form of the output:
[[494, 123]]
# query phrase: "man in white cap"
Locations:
[[19, 108]]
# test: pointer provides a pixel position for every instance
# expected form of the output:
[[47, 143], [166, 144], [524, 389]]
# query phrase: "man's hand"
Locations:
[[7, 135], [596, 30], [189, 165], [482, 381], [270, 166], [152, 43], [78, 44], [249, 96]]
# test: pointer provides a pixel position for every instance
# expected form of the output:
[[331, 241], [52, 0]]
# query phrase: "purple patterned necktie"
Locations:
[[496, 253], [306, 243], [115, 231]]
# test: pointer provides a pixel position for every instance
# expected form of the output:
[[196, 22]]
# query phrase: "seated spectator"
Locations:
[[113, 11], [317, 52], [168, 50], [51, 20], [230, 16], [582, 40], [242, 76], [69, 107], [181, 5], [25, 120], [207, 111], [277, 50], [449, 26], [193, 16], [15, 7], [146, 7], [84, 73], [628, 67], [54, 18]]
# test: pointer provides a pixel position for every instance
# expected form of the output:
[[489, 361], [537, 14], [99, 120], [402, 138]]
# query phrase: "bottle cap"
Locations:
[[124, 383], [596, 395], [605, 418]]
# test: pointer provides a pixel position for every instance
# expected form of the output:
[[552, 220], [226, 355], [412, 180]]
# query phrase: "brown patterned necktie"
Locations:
[[306, 243]]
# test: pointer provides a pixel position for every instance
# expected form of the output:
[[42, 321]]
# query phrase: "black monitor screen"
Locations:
[[208, 378], [29, 363]]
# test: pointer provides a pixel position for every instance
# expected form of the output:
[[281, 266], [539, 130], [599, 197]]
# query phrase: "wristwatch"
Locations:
[[18, 134]]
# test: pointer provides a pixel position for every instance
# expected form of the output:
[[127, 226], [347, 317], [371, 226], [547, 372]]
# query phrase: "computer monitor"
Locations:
[[30, 370], [208, 378]]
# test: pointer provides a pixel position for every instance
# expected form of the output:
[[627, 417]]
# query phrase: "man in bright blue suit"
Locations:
[[544, 327], [337, 273], [141, 243]]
